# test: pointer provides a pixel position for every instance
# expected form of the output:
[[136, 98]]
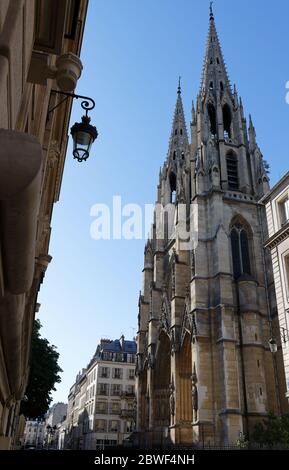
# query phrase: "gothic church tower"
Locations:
[[205, 373]]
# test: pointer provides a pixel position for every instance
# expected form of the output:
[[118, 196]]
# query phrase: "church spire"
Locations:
[[214, 70], [179, 137]]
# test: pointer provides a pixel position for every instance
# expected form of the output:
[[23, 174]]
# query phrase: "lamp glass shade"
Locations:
[[83, 134], [273, 345]]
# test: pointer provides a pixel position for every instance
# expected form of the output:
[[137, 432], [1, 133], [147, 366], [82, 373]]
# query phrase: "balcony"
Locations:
[[127, 413], [127, 394]]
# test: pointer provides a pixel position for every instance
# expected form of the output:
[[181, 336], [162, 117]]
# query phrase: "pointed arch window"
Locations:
[[211, 86], [173, 187], [232, 170], [212, 119], [222, 86], [240, 251], [227, 121], [181, 131], [218, 61]]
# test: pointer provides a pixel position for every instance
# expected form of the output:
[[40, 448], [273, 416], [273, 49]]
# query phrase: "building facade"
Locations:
[[277, 211], [205, 373], [40, 44], [34, 434], [101, 404]]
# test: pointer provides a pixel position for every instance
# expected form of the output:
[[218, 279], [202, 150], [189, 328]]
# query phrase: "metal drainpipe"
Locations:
[[268, 308], [242, 362]]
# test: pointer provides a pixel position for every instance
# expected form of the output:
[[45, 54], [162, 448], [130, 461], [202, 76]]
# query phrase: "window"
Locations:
[[227, 119], [114, 408], [212, 118], [211, 60], [102, 389], [286, 262], [232, 170], [118, 357], [181, 131], [173, 187], [130, 389], [106, 356], [284, 211], [176, 132], [101, 407], [116, 389], [114, 426], [131, 358], [218, 61], [117, 373], [104, 372], [221, 86], [240, 251], [101, 425], [131, 374], [211, 86]]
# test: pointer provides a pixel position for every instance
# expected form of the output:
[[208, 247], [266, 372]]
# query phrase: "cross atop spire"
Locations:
[[179, 87], [211, 11]]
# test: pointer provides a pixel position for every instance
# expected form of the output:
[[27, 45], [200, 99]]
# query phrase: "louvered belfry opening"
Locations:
[[232, 171]]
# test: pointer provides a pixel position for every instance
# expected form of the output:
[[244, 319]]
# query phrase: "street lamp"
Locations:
[[273, 345], [272, 341], [83, 133]]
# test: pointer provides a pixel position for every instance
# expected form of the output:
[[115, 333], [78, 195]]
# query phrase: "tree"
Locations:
[[272, 432], [44, 374]]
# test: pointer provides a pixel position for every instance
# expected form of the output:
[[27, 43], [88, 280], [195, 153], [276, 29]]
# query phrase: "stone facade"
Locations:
[[34, 36], [101, 403], [277, 211], [34, 434], [204, 369]]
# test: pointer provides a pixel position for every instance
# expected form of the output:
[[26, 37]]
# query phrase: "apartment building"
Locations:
[[40, 43], [34, 434], [101, 405], [277, 211]]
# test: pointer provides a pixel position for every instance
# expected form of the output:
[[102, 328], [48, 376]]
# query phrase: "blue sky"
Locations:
[[133, 53]]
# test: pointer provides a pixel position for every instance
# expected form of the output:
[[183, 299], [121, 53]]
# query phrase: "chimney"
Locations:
[[122, 342]]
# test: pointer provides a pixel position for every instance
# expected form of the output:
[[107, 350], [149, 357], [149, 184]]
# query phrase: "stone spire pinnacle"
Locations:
[[211, 11], [179, 137], [214, 69], [179, 87]]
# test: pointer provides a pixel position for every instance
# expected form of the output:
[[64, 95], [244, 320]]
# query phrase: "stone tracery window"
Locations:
[[240, 250]]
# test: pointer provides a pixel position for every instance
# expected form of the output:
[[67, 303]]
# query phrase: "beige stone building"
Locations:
[[40, 43], [101, 403], [34, 434], [205, 373], [277, 211]]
